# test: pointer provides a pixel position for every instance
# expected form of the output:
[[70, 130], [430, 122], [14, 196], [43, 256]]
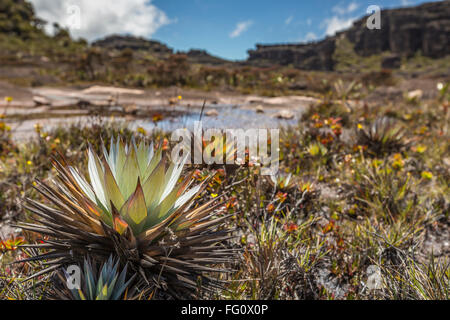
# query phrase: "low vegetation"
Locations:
[[359, 210]]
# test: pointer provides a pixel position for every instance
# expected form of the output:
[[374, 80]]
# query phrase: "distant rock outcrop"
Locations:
[[203, 57], [313, 56], [404, 31], [120, 42]]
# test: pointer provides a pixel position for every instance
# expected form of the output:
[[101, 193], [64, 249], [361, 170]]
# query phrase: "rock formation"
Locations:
[[404, 31], [119, 42]]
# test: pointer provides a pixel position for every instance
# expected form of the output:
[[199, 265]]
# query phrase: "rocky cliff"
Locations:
[[119, 42], [404, 31], [313, 56], [203, 57], [156, 48]]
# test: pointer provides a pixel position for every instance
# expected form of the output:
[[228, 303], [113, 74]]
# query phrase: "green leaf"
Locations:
[[153, 187], [135, 207], [142, 158], [120, 158], [155, 160], [130, 174], [97, 177], [112, 189]]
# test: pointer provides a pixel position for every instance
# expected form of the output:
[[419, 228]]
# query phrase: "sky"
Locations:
[[225, 28]]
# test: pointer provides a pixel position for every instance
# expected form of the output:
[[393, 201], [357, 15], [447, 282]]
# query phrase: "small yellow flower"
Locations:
[[398, 162], [214, 195], [141, 131], [29, 162], [180, 98], [376, 163], [57, 141], [422, 130], [360, 127], [9, 99], [407, 116], [421, 148], [427, 175], [37, 127]]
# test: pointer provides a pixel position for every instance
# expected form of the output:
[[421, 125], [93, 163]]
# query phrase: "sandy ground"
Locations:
[[23, 97]]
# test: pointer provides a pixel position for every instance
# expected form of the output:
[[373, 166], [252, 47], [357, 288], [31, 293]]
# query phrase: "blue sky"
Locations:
[[226, 28], [209, 24]]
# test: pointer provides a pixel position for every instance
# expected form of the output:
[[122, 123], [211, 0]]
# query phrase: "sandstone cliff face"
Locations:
[[403, 31], [314, 56], [406, 31]]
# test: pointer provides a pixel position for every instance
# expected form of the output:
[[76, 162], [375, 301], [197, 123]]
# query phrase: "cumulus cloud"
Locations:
[[352, 7], [240, 28], [336, 24], [94, 19], [341, 20], [310, 36], [342, 9]]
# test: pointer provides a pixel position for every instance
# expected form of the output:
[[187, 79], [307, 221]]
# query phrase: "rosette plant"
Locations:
[[383, 136], [96, 282], [134, 206]]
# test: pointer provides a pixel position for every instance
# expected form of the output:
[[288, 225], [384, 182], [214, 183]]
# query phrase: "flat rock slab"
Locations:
[[112, 91]]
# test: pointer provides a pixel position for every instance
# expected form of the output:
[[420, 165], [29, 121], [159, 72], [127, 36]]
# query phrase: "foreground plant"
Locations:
[[96, 283], [137, 209], [413, 280], [383, 136]]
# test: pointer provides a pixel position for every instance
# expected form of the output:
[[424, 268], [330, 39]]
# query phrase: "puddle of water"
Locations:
[[229, 117]]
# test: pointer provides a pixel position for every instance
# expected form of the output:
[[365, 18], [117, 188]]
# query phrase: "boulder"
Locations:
[[391, 62], [41, 101], [415, 95], [285, 114], [212, 113]]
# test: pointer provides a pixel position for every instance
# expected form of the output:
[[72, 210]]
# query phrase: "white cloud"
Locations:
[[341, 20], [310, 36], [289, 20], [405, 2], [336, 24], [352, 7], [309, 21], [103, 17], [240, 28], [342, 10]]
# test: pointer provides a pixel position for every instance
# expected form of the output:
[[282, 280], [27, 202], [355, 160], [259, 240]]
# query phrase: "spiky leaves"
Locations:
[[95, 283], [136, 207], [384, 136]]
